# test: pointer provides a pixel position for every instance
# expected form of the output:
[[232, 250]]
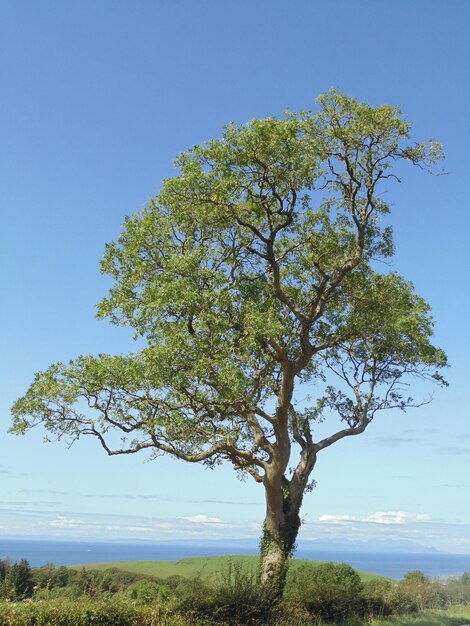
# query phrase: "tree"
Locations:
[[253, 277], [18, 582]]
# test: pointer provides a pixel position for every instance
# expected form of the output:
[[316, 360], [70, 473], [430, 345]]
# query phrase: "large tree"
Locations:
[[253, 278]]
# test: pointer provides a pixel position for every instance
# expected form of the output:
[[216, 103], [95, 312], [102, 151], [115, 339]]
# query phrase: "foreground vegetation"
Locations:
[[452, 616], [316, 593]]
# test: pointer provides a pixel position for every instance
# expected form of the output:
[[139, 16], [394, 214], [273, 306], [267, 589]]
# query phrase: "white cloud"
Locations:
[[464, 542], [205, 520], [256, 527], [379, 517], [63, 522], [335, 519], [165, 526], [140, 529]]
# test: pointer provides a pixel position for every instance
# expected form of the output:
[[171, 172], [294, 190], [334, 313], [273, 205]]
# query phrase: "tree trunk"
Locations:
[[281, 526]]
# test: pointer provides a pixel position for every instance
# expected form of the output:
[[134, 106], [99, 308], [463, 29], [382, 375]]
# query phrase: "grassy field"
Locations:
[[453, 616], [203, 567]]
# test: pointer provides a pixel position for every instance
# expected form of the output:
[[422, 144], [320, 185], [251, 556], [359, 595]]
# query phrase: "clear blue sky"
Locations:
[[97, 100]]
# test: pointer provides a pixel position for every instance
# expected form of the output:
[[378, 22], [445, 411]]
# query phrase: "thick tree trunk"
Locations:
[[281, 526]]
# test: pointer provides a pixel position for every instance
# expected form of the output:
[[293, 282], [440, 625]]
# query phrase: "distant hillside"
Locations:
[[371, 545], [205, 567]]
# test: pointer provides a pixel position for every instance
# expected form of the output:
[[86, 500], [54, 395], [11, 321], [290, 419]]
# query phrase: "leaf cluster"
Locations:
[[251, 272]]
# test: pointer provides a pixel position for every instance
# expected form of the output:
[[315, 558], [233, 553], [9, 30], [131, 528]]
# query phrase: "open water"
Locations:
[[393, 565]]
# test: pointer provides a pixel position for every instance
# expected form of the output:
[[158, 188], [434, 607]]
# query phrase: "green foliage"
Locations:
[[401, 601], [416, 577], [330, 591], [192, 595], [238, 597], [458, 589], [377, 595], [79, 613], [234, 268], [4, 567], [148, 592], [321, 593], [49, 576], [425, 593], [16, 582], [251, 274], [454, 616]]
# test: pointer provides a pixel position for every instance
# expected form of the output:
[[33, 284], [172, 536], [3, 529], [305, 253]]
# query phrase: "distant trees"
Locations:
[[16, 582]]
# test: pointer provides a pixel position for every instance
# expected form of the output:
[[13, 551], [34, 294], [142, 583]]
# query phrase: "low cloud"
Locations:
[[64, 522], [379, 517], [205, 520], [255, 527]]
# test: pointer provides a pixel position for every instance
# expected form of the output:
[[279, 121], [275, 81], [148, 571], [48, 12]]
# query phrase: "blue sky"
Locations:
[[97, 100]]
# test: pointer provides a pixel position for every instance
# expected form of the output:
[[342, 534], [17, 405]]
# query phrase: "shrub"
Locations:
[[191, 595], [148, 592], [84, 612], [376, 597], [330, 591], [457, 590], [426, 593], [238, 597], [402, 600]]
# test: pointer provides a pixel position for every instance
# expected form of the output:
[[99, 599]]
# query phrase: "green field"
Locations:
[[203, 567], [453, 616]]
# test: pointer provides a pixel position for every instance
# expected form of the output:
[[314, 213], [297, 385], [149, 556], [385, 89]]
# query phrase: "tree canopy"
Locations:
[[254, 273]]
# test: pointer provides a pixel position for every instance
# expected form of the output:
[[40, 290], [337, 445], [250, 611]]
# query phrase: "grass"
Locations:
[[203, 567], [453, 616], [86, 612]]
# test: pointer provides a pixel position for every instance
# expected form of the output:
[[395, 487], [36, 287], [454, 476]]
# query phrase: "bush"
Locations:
[[376, 597], [84, 612], [148, 592], [402, 601], [238, 597], [233, 597], [330, 591], [426, 593], [191, 595], [457, 590]]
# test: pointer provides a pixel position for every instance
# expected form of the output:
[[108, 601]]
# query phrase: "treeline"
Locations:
[[18, 581], [329, 592]]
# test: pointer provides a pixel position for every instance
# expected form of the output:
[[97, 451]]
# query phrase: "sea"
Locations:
[[393, 564]]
